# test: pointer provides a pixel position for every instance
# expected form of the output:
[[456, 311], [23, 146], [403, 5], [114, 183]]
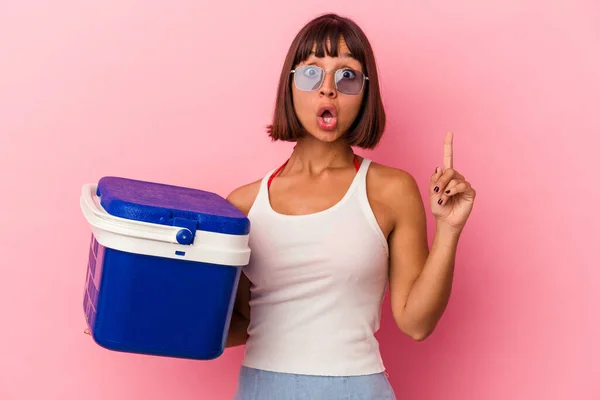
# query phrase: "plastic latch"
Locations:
[[185, 236]]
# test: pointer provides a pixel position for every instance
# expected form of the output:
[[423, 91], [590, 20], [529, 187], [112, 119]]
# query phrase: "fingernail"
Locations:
[[436, 168], [436, 189], [447, 191], [440, 201]]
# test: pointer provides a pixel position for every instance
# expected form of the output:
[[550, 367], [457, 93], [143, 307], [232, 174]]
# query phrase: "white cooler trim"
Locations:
[[160, 240]]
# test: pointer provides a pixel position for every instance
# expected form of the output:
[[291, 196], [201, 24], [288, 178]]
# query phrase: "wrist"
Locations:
[[445, 230]]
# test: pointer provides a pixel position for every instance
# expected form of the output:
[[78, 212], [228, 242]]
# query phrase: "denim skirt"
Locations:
[[256, 384]]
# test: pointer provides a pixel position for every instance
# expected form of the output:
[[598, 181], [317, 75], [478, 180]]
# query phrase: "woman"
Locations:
[[330, 230]]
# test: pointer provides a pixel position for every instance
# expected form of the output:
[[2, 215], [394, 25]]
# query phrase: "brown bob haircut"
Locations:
[[367, 129]]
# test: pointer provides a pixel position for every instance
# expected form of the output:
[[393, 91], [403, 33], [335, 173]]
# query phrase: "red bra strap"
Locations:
[[356, 165], [275, 173]]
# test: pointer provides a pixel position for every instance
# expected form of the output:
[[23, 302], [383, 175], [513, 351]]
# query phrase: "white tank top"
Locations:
[[318, 281]]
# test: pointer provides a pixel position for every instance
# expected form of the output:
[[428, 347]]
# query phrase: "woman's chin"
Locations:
[[325, 135]]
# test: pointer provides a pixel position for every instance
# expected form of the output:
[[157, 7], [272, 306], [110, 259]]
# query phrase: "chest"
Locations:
[[327, 249], [303, 196], [296, 197]]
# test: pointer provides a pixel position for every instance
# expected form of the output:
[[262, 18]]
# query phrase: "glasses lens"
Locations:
[[308, 77], [349, 81]]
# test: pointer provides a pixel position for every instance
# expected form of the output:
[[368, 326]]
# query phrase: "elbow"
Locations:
[[235, 340], [238, 331], [419, 336], [417, 326], [415, 331]]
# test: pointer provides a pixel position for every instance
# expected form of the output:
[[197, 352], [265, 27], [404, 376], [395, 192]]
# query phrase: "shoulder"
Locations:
[[391, 183], [243, 197], [394, 187]]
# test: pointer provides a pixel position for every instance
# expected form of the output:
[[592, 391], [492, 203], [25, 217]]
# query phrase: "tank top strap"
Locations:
[[365, 205], [361, 181], [362, 168], [261, 202]]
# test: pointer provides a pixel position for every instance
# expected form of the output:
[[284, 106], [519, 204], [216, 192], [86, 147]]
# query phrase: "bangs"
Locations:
[[324, 32]]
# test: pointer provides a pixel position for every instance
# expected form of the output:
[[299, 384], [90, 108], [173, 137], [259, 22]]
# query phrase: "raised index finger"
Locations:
[[448, 161]]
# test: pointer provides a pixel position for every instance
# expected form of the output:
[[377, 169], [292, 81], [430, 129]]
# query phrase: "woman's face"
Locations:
[[308, 104]]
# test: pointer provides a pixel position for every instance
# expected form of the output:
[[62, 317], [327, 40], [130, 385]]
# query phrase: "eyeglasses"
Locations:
[[311, 77]]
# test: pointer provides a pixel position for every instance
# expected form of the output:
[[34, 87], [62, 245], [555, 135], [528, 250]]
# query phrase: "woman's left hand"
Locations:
[[450, 193]]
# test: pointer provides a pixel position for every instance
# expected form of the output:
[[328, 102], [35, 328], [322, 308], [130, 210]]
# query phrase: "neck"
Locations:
[[317, 156]]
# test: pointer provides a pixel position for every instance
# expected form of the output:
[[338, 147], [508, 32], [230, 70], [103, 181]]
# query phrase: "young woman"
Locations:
[[330, 230]]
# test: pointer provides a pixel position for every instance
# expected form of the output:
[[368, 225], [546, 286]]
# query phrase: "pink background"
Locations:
[[149, 91]]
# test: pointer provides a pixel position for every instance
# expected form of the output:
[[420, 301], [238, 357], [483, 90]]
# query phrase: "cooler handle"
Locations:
[[99, 218]]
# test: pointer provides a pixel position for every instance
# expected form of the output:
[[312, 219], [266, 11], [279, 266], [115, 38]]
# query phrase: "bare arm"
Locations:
[[420, 279], [242, 198], [241, 315]]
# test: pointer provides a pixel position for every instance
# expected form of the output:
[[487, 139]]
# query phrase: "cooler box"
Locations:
[[164, 266]]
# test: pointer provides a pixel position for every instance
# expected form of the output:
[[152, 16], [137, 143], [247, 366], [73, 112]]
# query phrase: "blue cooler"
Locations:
[[164, 266]]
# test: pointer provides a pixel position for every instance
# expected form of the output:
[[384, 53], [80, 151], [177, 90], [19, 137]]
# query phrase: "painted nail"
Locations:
[[447, 191], [440, 201], [436, 189]]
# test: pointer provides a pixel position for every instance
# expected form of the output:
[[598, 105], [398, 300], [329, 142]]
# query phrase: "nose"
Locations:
[[328, 87]]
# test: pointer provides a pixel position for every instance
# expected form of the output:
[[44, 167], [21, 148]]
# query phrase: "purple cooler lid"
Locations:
[[171, 205]]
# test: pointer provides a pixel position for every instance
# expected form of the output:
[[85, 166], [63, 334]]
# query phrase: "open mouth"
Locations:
[[327, 117]]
